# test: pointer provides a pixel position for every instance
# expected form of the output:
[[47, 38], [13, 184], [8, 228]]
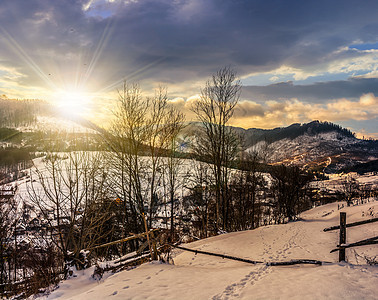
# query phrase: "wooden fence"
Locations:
[[278, 263], [29, 286], [342, 236]]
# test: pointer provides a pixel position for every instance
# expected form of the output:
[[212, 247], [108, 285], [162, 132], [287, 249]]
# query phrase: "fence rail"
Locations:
[[278, 263], [370, 241], [129, 238], [29, 286], [352, 224]]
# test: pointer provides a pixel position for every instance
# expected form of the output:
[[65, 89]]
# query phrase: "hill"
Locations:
[[253, 136], [362, 168], [330, 152], [322, 146]]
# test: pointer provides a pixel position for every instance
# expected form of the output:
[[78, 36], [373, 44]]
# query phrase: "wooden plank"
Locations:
[[342, 235], [352, 224], [148, 237], [136, 236], [295, 262], [142, 247], [154, 245]]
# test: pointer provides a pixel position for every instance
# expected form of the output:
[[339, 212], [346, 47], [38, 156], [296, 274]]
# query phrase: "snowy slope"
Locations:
[[55, 123], [205, 277], [331, 151]]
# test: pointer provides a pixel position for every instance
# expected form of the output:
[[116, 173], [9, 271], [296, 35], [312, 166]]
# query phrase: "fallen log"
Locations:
[[295, 262], [119, 265]]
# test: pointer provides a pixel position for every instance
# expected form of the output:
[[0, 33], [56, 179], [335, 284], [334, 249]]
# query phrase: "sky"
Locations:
[[298, 61]]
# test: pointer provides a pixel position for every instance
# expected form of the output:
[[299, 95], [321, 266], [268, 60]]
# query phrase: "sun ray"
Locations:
[[100, 48], [15, 46], [131, 75], [71, 96], [73, 102]]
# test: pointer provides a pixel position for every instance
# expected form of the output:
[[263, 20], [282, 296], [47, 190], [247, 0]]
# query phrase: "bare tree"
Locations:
[[350, 188], [127, 143], [245, 186], [214, 109], [164, 124], [201, 199], [8, 221], [72, 196], [141, 134], [289, 187], [174, 124]]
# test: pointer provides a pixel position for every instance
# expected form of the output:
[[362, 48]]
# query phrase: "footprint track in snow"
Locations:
[[233, 290]]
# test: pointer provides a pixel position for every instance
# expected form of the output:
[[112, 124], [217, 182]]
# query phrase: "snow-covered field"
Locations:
[[206, 277], [55, 124], [335, 181]]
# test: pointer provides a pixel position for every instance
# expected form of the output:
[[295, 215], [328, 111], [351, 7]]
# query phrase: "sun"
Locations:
[[73, 102]]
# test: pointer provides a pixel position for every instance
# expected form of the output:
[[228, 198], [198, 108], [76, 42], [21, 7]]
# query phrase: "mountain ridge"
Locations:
[[323, 146]]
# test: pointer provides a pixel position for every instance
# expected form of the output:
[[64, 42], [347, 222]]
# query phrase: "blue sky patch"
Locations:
[[364, 46]]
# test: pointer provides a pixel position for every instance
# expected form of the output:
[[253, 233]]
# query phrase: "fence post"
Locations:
[[148, 237], [342, 235]]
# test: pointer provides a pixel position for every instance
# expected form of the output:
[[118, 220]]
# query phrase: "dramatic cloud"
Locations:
[[247, 109], [343, 109], [316, 92], [283, 113], [156, 39], [326, 48]]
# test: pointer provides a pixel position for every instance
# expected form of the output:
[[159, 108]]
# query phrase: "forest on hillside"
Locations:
[[15, 112], [253, 135]]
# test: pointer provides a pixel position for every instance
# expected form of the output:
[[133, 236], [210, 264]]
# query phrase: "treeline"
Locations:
[[13, 162], [362, 168], [15, 112], [8, 133], [252, 198], [49, 140], [63, 141]]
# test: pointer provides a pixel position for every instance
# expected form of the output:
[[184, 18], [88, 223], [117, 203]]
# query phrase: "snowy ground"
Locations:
[[205, 277], [55, 123], [335, 181]]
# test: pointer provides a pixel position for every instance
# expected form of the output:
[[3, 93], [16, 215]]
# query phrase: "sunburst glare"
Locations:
[[73, 102]]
